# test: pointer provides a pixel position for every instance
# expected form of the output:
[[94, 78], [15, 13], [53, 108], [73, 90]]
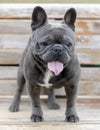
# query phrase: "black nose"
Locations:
[[57, 49]]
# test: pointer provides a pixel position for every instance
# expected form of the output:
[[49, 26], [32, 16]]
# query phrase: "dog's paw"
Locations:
[[14, 108], [72, 118], [36, 118], [54, 106]]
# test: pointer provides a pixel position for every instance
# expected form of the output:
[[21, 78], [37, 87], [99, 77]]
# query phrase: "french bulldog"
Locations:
[[50, 61]]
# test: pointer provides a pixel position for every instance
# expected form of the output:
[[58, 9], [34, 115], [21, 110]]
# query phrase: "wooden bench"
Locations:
[[15, 31]]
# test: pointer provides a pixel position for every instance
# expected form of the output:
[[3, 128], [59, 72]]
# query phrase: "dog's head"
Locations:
[[53, 43]]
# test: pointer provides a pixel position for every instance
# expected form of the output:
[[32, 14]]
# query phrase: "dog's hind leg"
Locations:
[[52, 104], [14, 107]]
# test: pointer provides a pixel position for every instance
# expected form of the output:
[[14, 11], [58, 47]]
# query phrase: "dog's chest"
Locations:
[[47, 76]]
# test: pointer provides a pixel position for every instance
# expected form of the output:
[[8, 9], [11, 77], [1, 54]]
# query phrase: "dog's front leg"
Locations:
[[34, 93], [71, 94]]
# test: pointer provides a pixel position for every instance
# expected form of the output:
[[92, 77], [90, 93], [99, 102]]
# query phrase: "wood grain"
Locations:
[[89, 83], [15, 26], [88, 113], [10, 57], [88, 27], [14, 41], [54, 10], [8, 87], [50, 127], [15, 30], [19, 41], [21, 26], [86, 88], [91, 42], [13, 56], [89, 57]]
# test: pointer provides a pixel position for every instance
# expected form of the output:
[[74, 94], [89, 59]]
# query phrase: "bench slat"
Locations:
[[54, 11], [90, 88], [87, 27], [15, 31], [87, 74], [19, 41], [86, 56]]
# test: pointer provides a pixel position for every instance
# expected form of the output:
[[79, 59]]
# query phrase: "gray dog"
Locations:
[[50, 61]]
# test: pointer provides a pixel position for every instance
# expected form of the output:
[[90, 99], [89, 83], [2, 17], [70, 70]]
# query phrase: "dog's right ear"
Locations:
[[39, 17]]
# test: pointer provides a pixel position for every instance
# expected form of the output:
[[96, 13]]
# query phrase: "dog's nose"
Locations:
[[57, 49]]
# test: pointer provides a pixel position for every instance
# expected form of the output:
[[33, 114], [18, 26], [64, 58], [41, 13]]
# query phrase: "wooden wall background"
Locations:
[[15, 31]]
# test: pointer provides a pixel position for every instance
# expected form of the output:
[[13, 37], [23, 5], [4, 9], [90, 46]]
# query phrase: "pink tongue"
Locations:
[[56, 67]]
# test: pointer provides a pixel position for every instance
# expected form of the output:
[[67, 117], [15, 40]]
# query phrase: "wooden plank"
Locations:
[[86, 56], [87, 74], [14, 41], [8, 73], [90, 88], [8, 87], [19, 41], [24, 26], [53, 10], [15, 26], [89, 83], [50, 127], [8, 56], [89, 118], [90, 42], [89, 57], [88, 27]]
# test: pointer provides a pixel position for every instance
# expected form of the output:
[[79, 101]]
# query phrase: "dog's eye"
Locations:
[[69, 44], [44, 43]]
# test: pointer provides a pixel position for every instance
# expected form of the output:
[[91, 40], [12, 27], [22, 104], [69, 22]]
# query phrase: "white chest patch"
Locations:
[[46, 79]]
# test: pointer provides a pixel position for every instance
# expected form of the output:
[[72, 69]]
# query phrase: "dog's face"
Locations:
[[53, 43]]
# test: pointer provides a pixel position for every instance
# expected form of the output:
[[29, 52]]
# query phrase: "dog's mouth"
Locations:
[[56, 67]]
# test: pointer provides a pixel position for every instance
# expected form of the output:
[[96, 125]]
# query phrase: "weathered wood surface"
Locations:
[[87, 27], [90, 88], [10, 57], [18, 41], [13, 56], [89, 84], [17, 26], [51, 127], [88, 110], [88, 73], [16, 30], [11, 48], [53, 10], [15, 33]]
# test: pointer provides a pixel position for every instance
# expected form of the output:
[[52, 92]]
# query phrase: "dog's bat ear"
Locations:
[[70, 18], [39, 17]]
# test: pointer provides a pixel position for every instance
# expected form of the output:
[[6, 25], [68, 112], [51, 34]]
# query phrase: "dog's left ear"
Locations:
[[39, 17], [70, 18]]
